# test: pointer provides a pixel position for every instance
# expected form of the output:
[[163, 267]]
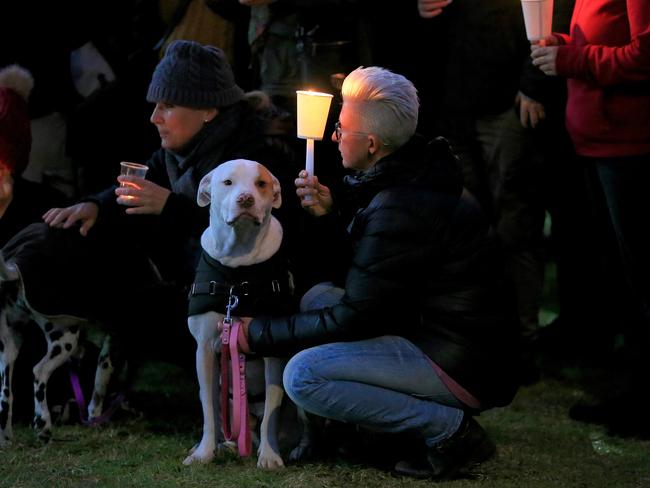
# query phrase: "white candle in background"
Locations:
[[538, 17]]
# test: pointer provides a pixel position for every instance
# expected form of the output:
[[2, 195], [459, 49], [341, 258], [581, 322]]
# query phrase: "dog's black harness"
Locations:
[[265, 288]]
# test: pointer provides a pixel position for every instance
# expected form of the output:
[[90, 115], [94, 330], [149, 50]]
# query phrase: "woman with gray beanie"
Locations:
[[203, 119]]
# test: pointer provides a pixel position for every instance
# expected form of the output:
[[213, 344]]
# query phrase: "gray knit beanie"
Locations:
[[192, 75]]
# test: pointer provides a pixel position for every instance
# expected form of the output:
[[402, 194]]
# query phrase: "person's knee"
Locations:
[[298, 377], [321, 295]]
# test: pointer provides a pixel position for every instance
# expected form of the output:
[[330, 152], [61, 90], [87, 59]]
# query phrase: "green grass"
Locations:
[[538, 446]]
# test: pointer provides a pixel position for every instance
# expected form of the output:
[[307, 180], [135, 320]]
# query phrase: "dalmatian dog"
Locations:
[[242, 256], [62, 335]]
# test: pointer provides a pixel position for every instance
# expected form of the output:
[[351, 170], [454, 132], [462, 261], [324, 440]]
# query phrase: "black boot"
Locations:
[[467, 447], [624, 415]]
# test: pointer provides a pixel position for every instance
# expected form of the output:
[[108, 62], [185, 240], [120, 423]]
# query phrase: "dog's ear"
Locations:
[[277, 193], [203, 195]]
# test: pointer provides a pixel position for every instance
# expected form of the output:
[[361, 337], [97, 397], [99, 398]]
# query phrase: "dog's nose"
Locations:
[[245, 200]]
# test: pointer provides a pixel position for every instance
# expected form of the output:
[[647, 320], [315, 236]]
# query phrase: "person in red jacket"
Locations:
[[606, 60]]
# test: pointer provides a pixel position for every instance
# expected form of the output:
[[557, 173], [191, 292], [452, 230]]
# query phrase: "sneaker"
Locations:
[[450, 458]]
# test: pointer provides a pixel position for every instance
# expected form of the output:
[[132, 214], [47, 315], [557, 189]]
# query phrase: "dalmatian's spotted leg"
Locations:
[[10, 342], [103, 374], [62, 339]]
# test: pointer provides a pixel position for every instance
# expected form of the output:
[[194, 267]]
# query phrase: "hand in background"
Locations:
[[431, 8], [63, 218], [531, 112]]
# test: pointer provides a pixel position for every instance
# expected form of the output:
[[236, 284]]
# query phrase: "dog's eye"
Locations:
[[261, 183], [227, 182]]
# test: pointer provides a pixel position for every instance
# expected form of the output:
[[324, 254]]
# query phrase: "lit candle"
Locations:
[[312, 108]]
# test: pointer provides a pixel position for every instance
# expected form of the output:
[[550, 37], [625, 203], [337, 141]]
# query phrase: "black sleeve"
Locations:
[[386, 256], [535, 84]]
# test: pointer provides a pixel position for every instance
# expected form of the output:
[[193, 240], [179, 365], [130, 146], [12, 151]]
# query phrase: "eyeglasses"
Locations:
[[338, 132]]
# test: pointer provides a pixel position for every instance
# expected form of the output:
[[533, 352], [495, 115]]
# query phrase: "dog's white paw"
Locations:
[[200, 453], [198, 456], [193, 448], [269, 460]]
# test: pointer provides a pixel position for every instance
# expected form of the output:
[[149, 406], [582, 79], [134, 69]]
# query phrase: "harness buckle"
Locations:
[[244, 288], [275, 286], [199, 289], [212, 288]]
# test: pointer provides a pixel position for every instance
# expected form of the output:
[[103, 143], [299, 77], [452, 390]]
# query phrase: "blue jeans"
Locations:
[[385, 384]]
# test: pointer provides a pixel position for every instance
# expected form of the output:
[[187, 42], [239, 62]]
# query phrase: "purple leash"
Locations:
[[81, 402]]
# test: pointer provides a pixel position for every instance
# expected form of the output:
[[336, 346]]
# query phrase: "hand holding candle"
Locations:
[[314, 197]]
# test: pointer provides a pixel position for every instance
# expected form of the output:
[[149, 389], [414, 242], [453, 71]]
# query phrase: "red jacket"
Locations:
[[607, 62]]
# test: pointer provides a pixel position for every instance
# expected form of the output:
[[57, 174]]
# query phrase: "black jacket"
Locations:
[[426, 266], [30, 201]]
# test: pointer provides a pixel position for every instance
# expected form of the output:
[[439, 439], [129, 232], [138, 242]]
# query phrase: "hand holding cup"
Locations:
[[140, 195]]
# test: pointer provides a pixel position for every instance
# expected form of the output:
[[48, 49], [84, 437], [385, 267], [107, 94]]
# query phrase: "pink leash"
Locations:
[[239, 429]]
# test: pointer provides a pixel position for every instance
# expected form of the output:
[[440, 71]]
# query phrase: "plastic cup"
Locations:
[[132, 169], [538, 17]]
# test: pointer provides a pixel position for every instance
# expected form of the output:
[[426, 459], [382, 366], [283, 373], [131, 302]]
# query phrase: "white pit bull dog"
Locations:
[[241, 256]]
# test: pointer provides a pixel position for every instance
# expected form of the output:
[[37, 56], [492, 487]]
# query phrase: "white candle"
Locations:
[[312, 110], [309, 158]]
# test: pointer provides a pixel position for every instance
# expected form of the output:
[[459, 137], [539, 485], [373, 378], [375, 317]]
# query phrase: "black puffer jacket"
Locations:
[[426, 266]]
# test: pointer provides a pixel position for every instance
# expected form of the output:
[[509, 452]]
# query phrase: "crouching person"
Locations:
[[421, 337]]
